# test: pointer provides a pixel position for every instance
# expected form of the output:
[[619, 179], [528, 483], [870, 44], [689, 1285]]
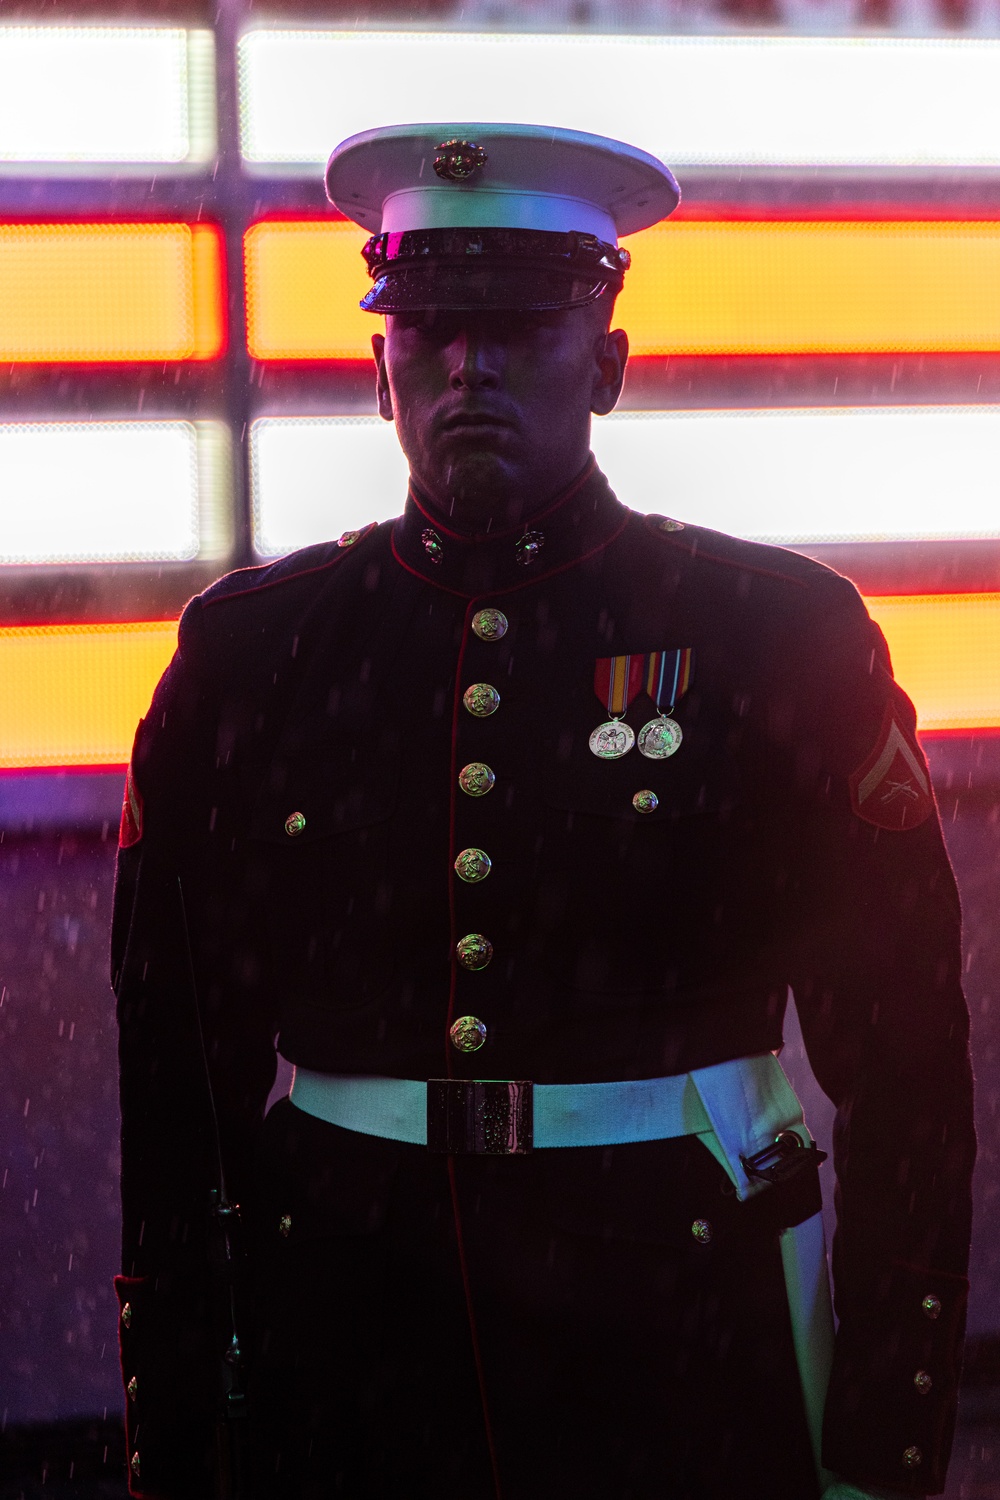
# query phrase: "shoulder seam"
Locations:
[[674, 539], [272, 583]]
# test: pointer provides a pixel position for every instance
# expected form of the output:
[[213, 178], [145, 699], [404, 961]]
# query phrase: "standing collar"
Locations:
[[583, 518]]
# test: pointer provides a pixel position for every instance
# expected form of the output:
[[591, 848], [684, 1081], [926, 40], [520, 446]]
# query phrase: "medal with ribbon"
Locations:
[[617, 680], [668, 677]]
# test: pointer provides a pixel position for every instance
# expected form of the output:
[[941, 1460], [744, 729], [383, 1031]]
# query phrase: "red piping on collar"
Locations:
[[515, 588]]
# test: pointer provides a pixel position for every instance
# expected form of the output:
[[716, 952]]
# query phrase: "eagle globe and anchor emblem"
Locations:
[[459, 160]]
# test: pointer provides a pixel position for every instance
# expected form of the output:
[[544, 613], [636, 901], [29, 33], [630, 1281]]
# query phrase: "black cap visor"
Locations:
[[464, 288]]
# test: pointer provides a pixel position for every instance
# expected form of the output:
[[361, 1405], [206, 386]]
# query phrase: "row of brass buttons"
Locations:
[[923, 1382], [472, 865]]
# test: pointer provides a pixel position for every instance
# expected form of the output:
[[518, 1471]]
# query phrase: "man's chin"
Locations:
[[478, 475]]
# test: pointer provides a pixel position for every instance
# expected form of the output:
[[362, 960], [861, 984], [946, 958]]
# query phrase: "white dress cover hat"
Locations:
[[495, 216]]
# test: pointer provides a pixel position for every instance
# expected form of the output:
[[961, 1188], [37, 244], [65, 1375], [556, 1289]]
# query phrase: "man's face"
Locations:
[[493, 409]]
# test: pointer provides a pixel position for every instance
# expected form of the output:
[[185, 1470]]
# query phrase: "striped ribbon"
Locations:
[[665, 675], [668, 676], [617, 680]]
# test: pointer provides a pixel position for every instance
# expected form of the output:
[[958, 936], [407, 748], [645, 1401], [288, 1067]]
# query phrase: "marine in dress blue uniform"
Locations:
[[564, 1264]]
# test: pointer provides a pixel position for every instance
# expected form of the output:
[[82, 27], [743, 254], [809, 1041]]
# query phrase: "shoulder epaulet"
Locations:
[[760, 558], [307, 562]]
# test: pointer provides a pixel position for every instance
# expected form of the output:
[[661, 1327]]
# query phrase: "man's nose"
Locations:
[[476, 362]]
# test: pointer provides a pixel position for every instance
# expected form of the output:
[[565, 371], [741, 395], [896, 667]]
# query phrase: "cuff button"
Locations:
[[912, 1458], [134, 1463], [931, 1307], [923, 1382], [127, 1315], [132, 1388]]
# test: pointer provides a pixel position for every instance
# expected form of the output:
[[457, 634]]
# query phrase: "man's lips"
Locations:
[[474, 422]]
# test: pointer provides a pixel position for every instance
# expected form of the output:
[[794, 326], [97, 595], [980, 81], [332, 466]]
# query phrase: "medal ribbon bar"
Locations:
[[668, 676], [617, 680]]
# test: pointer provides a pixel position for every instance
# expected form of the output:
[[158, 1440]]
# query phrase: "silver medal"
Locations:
[[612, 740], [660, 738]]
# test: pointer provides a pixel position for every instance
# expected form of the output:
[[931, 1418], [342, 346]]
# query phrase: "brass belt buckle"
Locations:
[[479, 1117]]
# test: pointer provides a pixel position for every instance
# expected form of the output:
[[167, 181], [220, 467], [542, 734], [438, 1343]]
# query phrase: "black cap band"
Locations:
[[519, 269]]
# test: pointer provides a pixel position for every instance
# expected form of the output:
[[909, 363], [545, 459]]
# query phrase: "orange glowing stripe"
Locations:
[[946, 653], [71, 695], [807, 288], [695, 287], [101, 293], [303, 284]]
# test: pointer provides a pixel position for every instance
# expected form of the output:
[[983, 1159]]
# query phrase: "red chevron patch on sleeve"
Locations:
[[892, 787], [130, 831]]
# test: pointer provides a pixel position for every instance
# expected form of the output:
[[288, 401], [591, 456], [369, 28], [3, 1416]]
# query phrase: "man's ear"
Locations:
[[381, 378], [612, 356]]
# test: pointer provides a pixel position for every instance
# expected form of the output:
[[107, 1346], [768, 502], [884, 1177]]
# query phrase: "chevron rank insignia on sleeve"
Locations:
[[891, 788]]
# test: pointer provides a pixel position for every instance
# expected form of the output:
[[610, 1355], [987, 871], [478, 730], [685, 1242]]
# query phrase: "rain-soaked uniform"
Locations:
[[561, 1321]]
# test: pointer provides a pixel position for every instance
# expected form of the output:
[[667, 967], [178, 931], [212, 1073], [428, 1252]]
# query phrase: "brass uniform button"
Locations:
[[481, 700], [285, 1225], [132, 1388], [473, 865], [912, 1458], [931, 1307], [490, 624], [467, 1034], [433, 545], [476, 779], [645, 802], [294, 824], [474, 951], [702, 1231], [127, 1315], [134, 1463], [923, 1382], [348, 539]]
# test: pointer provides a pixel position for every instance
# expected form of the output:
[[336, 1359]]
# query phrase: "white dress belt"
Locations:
[[735, 1108]]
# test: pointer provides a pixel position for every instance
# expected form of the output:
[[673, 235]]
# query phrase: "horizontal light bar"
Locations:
[[104, 492], [945, 651], [72, 95], [802, 476], [71, 695], [691, 100], [304, 280], [808, 476], [694, 288], [110, 293]]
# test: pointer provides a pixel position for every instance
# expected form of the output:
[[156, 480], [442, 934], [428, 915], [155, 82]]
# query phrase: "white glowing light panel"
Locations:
[[802, 476], [707, 100], [78, 94], [313, 478], [105, 492], [830, 475]]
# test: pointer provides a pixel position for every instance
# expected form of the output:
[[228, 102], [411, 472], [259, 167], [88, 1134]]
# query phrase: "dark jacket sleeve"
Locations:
[[877, 981], [172, 1326]]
